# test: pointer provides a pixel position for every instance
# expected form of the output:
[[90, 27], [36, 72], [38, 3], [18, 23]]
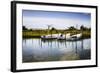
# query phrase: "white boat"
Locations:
[[63, 37], [75, 37], [67, 36], [47, 37]]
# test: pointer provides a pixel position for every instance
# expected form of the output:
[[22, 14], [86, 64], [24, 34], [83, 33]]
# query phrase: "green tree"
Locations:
[[72, 28], [24, 28], [83, 28]]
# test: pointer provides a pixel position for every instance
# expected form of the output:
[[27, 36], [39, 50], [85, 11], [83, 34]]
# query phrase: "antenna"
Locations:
[[48, 28]]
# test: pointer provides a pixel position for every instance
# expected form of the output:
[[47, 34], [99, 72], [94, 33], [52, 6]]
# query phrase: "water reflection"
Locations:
[[37, 50]]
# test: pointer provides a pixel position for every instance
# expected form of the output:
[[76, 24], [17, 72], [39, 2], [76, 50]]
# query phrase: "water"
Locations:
[[37, 50]]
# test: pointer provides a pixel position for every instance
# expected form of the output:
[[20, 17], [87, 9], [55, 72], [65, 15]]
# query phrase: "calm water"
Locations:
[[37, 50]]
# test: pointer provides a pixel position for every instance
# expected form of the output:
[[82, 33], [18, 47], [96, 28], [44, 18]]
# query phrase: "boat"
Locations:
[[67, 37], [63, 37], [75, 37], [49, 37]]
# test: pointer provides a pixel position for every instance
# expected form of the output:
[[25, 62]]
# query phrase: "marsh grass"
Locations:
[[39, 33]]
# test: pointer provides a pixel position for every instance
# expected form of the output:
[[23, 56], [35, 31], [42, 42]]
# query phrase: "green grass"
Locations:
[[39, 33]]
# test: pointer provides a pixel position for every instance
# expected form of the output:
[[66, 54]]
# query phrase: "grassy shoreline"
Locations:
[[39, 33]]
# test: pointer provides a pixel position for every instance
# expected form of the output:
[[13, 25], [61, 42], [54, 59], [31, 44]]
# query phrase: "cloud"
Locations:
[[58, 23]]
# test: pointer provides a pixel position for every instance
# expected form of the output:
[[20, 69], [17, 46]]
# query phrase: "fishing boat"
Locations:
[[49, 37], [63, 37], [75, 37], [67, 37]]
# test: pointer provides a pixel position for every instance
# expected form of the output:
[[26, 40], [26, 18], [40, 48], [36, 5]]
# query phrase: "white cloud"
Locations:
[[59, 23]]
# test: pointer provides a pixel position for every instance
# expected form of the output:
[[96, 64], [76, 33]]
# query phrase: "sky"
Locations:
[[36, 19]]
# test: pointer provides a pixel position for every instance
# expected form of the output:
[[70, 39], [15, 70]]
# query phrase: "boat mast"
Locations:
[[48, 28]]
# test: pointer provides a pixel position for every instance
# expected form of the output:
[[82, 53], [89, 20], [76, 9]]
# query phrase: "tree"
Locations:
[[72, 28], [83, 28], [24, 28], [52, 29]]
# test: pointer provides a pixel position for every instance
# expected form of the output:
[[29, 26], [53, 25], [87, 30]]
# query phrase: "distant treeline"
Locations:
[[70, 28], [30, 33]]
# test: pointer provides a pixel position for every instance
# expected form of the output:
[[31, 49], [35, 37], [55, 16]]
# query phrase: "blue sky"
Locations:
[[60, 20]]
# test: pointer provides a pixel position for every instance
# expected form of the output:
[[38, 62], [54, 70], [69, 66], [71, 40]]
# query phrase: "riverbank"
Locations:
[[39, 33]]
